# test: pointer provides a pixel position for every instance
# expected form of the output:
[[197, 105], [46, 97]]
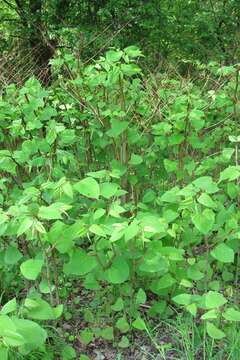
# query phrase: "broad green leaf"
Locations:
[[139, 324], [31, 332], [230, 173], [107, 333], [80, 263], [68, 353], [118, 272], [118, 232], [113, 55], [223, 253], [39, 309], [135, 159], [124, 342], [108, 189], [207, 201], [165, 282], [117, 127], [100, 174], [131, 231], [133, 51], [31, 268], [67, 189], [154, 224], [182, 299], [141, 297], [211, 314], [88, 187], [206, 184], [170, 165], [12, 255], [118, 305], [192, 309], [153, 263], [53, 211], [9, 307], [214, 300], [196, 118], [98, 214], [13, 338], [204, 221], [97, 230], [214, 332], [86, 336], [122, 325], [25, 225], [231, 314], [130, 69]]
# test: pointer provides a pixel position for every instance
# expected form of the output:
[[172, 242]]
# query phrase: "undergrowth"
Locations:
[[120, 212]]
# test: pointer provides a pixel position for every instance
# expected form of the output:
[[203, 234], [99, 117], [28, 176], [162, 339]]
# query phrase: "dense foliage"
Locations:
[[120, 175], [167, 30], [127, 187]]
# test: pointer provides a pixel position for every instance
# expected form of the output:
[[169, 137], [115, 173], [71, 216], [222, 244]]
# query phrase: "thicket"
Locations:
[[119, 195]]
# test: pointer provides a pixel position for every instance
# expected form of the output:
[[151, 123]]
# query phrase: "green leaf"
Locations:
[[207, 201], [192, 309], [113, 55], [13, 338], [88, 187], [118, 305], [223, 253], [107, 333], [154, 263], [39, 309], [196, 118], [12, 255], [98, 214], [122, 325], [206, 184], [130, 69], [211, 314], [165, 282], [124, 342], [141, 297], [25, 225], [131, 231], [108, 190], [230, 173], [9, 307], [135, 159], [231, 314], [214, 332], [118, 272], [214, 300], [204, 222], [80, 263], [68, 353], [53, 211], [90, 282], [68, 190], [97, 230], [139, 324], [86, 336], [31, 268], [182, 299], [133, 51], [117, 128], [32, 333]]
